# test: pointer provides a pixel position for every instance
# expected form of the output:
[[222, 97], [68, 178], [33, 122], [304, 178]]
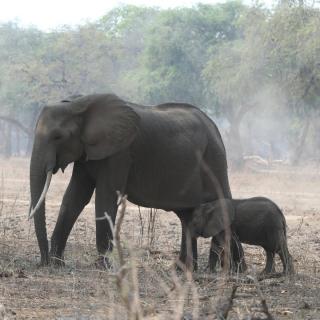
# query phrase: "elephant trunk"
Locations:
[[39, 184]]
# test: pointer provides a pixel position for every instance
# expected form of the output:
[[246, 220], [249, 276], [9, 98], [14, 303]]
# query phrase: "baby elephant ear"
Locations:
[[109, 124], [220, 215]]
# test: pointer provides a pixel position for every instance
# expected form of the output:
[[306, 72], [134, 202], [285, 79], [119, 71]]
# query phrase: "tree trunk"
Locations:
[[235, 144], [235, 152], [9, 121], [29, 145], [18, 144], [8, 141], [301, 142]]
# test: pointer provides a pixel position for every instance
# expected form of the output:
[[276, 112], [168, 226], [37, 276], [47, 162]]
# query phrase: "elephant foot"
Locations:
[[44, 259], [52, 261], [268, 271], [43, 263], [57, 261], [103, 263], [265, 274], [289, 274], [288, 270]]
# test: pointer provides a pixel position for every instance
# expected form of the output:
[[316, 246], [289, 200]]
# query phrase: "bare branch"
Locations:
[[225, 304], [263, 301], [18, 124], [129, 293], [118, 228]]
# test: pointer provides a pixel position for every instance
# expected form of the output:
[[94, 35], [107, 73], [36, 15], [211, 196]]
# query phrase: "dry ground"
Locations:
[[82, 291]]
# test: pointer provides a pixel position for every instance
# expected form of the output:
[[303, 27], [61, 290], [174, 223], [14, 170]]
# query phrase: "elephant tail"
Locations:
[[283, 220]]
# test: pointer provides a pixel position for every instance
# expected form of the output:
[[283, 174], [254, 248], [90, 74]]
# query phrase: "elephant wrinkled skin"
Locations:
[[160, 156]]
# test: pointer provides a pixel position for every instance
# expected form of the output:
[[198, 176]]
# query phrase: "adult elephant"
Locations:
[[160, 156]]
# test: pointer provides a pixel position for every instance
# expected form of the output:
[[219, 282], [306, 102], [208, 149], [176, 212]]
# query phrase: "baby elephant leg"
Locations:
[[218, 253], [215, 255], [238, 263]]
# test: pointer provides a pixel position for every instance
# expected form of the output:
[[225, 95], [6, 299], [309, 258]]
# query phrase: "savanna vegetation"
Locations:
[[255, 70]]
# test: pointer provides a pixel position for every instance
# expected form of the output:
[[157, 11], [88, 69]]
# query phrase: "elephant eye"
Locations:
[[57, 137]]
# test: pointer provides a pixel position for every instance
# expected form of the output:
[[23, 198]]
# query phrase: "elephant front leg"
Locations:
[[183, 258], [106, 203], [112, 176], [77, 195]]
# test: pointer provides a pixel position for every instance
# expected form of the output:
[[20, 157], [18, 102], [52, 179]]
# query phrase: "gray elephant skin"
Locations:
[[215, 219], [161, 156], [255, 221]]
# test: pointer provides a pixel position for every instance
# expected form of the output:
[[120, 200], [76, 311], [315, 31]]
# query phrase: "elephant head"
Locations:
[[87, 127], [211, 218]]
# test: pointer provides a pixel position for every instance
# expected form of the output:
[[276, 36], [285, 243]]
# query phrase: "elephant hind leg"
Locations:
[[270, 267], [286, 259]]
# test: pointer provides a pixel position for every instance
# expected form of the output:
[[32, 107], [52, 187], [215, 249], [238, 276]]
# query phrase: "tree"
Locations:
[[234, 74], [175, 52], [239, 63], [293, 43]]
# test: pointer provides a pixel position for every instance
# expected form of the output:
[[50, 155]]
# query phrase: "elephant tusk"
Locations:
[[120, 198], [42, 197]]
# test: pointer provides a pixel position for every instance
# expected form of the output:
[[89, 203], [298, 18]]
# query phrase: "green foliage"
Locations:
[[293, 42], [236, 69], [233, 60], [176, 50]]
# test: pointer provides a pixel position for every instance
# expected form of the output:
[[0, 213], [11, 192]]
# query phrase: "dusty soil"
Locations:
[[80, 290]]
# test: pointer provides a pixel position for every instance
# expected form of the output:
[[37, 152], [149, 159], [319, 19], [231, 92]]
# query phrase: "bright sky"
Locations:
[[48, 14]]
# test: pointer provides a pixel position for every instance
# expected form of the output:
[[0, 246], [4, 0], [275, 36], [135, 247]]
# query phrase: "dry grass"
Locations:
[[81, 291]]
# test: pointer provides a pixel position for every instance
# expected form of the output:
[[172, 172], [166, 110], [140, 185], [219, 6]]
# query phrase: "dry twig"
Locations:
[[129, 292], [263, 301], [225, 304]]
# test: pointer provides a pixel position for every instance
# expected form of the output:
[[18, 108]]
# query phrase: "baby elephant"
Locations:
[[256, 221], [214, 219]]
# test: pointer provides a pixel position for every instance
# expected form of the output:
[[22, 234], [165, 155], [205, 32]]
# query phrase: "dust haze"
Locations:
[[253, 70]]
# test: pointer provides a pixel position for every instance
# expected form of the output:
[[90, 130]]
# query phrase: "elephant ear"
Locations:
[[108, 124], [218, 216]]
